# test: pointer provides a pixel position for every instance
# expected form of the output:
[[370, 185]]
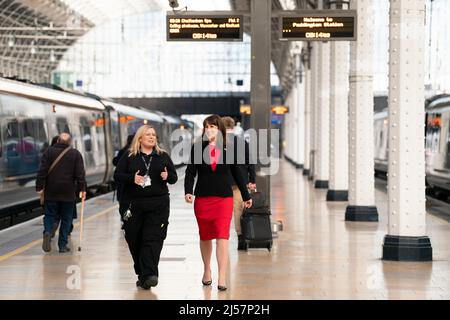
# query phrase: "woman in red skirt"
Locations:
[[213, 204]]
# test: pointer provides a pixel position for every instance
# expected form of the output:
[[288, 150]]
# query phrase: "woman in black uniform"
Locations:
[[144, 173]]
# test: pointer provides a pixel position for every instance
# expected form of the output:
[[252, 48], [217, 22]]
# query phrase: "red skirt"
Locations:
[[213, 217]]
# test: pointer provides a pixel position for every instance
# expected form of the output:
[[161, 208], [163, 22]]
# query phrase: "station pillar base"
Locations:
[[361, 213], [337, 195], [402, 248], [321, 184]]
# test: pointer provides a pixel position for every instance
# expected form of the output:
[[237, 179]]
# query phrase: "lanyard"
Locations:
[[147, 166]]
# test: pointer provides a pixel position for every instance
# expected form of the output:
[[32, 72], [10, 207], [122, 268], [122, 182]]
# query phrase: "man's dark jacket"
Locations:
[[67, 177]]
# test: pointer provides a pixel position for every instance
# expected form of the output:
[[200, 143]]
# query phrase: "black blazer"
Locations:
[[127, 167], [209, 182]]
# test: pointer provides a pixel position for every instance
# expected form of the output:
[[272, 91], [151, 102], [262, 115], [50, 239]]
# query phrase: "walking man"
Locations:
[[61, 171]]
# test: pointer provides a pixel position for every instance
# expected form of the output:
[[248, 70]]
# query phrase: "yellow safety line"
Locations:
[[35, 242]]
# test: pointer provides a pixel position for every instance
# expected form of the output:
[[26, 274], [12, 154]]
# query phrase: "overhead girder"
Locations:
[[46, 25]]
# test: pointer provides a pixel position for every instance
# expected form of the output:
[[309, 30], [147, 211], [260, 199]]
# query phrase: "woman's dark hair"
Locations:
[[216, 121]]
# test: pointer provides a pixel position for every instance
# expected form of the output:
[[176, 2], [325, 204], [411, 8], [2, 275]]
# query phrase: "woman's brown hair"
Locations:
[[216, 121]]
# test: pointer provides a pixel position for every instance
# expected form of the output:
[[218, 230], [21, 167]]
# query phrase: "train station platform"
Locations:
[[317, 255]]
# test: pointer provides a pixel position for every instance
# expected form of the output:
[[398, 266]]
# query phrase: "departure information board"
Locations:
[[323, 25], [204, 27]]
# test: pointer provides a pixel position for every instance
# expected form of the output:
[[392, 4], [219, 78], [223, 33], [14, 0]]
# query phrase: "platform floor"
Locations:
[[317, 256]]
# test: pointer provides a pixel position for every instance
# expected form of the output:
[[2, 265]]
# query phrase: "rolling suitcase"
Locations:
[[256, 228]]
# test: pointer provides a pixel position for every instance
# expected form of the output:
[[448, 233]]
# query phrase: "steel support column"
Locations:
[[307, 117], [300, 124], [260, 95], [313, 108], [406, 239], [339, 89], [323, 117], [361, 164]]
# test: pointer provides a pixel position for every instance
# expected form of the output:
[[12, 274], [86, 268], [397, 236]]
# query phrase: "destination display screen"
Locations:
[[204, 28], [320, 25]]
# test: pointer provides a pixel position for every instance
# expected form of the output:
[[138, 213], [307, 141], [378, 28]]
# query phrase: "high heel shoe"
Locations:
[[221, 288], [207, 283]]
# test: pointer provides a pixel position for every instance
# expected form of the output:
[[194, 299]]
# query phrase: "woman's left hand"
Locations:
[[248, 204], [164, 174]]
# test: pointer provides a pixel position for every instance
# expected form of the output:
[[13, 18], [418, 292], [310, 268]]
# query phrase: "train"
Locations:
[[436, 140], [31, 115]]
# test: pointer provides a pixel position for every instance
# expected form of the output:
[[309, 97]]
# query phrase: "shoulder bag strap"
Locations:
[[58, 159]]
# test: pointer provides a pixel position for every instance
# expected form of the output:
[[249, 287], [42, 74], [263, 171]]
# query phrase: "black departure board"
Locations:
[[204, 27], [324, 25]]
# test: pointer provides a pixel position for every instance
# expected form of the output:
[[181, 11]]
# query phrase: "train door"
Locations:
[[447, 142], [115, 131], [86, 138], [99, 138]]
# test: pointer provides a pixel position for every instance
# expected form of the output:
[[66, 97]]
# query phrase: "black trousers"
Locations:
[[145, 232]]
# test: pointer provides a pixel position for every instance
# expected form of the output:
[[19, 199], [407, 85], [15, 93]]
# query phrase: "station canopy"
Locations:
[[36, 35]]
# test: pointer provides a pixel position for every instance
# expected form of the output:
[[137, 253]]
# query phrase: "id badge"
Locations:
[[147, 182]]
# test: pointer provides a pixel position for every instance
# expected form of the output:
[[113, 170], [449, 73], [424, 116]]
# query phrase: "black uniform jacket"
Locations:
[[129, 165], [209, 182]]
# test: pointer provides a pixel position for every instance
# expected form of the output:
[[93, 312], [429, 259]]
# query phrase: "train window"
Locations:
[[447, 155], [62, 125], [28, 143], [41, 135], [434, 132], [11, 136], [115, 131], [86, 134]]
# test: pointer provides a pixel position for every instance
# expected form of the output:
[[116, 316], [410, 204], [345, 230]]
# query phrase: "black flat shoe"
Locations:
[[221, 288], [207, 283], [149, 282]]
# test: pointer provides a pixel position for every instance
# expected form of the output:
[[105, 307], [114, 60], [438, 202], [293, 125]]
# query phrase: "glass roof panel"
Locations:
[[101, 11]]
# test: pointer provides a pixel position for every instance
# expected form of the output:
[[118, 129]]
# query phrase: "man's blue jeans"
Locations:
[[55, 210]]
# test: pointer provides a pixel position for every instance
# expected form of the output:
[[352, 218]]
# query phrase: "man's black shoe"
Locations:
[[65, 249]]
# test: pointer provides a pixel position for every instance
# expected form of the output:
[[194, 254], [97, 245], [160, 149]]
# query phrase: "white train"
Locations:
[[31, 115], [436, 139]]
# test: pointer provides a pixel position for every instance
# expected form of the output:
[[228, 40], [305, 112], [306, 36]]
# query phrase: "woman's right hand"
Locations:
[[189, 198], [139, 180]]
